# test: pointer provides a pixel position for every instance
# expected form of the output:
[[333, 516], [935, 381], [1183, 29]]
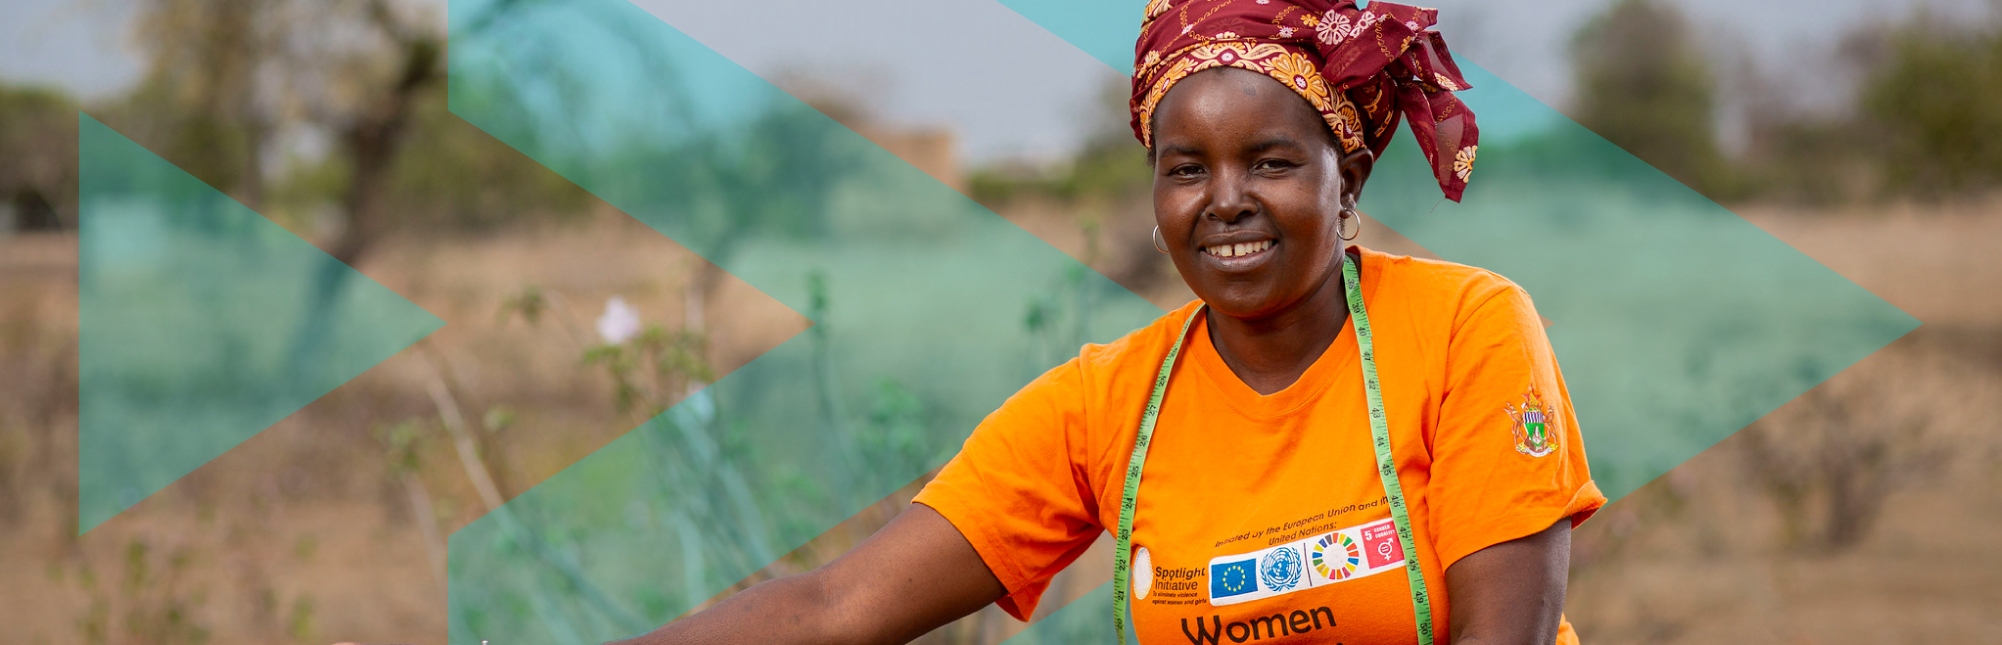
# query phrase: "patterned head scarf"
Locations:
[[1362, 68]]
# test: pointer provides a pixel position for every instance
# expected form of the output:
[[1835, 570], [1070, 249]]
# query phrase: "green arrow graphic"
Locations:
[[191, 309]]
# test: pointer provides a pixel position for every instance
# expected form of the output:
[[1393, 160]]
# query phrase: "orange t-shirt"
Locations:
[[1262, 517]]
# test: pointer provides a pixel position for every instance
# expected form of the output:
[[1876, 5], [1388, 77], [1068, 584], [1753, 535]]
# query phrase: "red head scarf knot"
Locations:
[[1363, 69]]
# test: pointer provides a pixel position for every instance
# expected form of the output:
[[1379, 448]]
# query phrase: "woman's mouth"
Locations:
[[1238, 250]]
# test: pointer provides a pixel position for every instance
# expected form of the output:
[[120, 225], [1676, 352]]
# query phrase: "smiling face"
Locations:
[[1248, 186]]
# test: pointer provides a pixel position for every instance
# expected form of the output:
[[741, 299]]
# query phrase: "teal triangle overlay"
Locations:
[[1105, 29], [928, 312], [1086, 619], [192, 310], [1675, 321]]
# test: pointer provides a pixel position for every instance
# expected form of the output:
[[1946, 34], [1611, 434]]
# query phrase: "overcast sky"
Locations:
[[1010, 88]]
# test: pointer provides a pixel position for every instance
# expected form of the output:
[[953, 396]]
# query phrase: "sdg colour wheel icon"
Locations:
[[1336, 557]]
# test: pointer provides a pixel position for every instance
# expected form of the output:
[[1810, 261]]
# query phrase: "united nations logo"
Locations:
[[1280, 570], [1535, 431]]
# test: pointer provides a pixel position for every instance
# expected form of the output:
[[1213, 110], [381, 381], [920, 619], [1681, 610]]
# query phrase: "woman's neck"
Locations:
[[1270, 353]]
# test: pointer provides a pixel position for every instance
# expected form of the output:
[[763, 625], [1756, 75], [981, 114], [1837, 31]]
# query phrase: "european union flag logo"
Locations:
[[1233, 578]]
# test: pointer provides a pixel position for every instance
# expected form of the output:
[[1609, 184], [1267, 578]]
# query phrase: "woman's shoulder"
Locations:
[[1439, 285], [1086, 394], [1108, 375], [1138, 348]]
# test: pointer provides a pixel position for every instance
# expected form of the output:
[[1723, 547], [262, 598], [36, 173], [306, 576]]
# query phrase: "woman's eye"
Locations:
[[1273, 164], [1184, 171]]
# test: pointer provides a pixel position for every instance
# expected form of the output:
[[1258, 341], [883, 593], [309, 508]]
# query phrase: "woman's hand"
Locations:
[[1510, 593], [916, 574]]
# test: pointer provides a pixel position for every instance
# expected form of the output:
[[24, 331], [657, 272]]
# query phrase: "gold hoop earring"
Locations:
[[1159, 244], [1348, 214]]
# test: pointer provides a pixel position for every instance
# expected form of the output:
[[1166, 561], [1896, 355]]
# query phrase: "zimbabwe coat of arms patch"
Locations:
[[1535, 425]]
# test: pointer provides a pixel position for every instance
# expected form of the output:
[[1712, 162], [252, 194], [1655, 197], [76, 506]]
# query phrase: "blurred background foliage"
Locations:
[[325, 116], [1644, 84], [331, 130], [1929, 108], [1921, 123]]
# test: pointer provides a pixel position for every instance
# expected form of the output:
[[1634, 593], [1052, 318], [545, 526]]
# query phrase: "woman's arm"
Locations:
[[1511, 593], [914, 575]]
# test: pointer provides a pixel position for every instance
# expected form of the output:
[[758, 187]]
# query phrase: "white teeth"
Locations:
[[1238, 249]]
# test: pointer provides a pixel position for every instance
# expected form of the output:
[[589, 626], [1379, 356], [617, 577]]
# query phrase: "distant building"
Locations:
[[23, 209], [38, 174], [934, 150]]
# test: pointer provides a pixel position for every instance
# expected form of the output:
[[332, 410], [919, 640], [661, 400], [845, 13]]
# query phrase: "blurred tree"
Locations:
[[1932, 104], [38, 140], [774, 179], [765, 172], [225, 77], [1111, 164], [197, 104], [233, 84], [451, 176], [371, 134], [1832, 459], [1816, 161], [1644, 85]]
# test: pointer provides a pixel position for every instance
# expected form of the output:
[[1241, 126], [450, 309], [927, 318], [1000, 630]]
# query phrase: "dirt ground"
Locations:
[[1707, 554], [306, 534]]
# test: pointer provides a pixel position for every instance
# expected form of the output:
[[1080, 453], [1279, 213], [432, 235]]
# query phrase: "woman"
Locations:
[[1313, 450]]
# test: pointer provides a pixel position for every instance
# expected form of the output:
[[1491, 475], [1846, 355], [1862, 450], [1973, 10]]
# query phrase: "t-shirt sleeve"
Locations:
[[1017, 488], [1507, 461]]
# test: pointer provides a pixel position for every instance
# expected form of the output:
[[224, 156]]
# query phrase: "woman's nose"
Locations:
[[1229, 201]]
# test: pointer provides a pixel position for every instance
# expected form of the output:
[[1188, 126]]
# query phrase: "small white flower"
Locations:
[[1411, 25], [1285, 32], [620, 322], [1188, 28]]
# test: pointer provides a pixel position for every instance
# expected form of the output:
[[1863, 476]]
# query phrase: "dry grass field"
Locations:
[[1733, 546], [307, 533]]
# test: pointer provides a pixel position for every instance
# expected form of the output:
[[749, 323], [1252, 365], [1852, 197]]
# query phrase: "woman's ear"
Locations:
[[1355, 172]]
